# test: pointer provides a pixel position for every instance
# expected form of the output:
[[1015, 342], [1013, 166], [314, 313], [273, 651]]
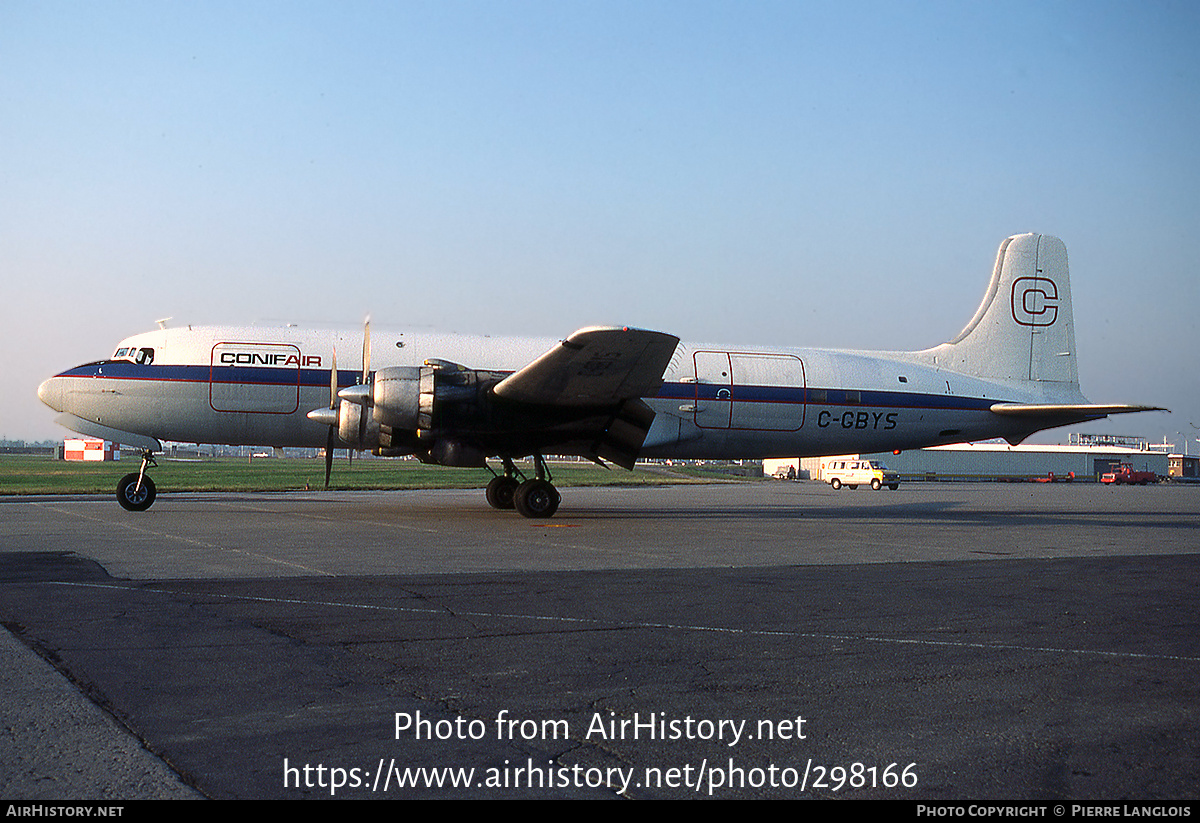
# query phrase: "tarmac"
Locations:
[[758, 639]]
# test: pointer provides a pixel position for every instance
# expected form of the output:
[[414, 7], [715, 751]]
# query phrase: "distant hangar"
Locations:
[[1086, 458]]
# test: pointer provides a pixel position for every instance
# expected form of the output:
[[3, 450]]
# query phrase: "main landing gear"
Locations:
[[531, 498], [136, 490]]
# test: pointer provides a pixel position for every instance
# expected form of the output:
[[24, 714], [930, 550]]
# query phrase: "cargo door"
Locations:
[[255, 377], [768, 392], [714, 383]]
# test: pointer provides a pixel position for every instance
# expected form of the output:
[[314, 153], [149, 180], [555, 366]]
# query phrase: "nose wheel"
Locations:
[[136, 491]]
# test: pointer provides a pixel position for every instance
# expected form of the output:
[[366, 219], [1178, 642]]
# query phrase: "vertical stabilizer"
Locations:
[[1024, 328]]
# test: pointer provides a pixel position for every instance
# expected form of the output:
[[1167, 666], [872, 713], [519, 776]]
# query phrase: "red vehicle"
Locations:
[[1051, 477], [1126, 475]]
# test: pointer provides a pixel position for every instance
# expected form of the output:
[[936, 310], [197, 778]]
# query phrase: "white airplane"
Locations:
[[606, 393]]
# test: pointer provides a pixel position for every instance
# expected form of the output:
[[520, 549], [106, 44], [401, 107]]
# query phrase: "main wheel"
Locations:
[[536, 498], [500, 492], [131, 497], [837, 484], [875, 484]]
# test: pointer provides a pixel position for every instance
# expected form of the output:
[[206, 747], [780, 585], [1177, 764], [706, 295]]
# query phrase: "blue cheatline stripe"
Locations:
[[316, 378], [833, 397], [248, 375]]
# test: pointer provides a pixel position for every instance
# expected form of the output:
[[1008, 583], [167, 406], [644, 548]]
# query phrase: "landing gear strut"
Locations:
[[531, 498], [136, 490]]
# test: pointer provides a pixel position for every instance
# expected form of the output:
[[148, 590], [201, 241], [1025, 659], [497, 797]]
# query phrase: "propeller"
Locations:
[[359, 394], [329, 417], [365, 380], [331, 437]]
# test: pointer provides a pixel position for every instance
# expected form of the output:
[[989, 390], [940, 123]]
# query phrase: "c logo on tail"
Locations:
[[1034, 301]]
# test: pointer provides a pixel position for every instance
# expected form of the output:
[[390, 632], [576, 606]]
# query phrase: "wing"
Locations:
[[591, 385], [597, 366]]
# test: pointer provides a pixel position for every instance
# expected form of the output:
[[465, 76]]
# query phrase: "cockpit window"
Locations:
[[143, 357]]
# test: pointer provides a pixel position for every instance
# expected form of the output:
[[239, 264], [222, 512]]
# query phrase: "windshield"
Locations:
[[143, 356]]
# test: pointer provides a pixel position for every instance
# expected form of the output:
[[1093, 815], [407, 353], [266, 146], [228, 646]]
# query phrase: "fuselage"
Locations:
[[256, 385]]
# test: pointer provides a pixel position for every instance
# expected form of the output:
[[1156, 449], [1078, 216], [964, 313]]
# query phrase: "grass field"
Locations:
[[20, 474]]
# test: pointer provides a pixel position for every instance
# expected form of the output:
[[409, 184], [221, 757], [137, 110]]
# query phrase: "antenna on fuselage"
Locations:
[[162, 323]]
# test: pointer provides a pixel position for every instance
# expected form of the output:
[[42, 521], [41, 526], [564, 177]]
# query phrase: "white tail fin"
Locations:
[[1024, 328]]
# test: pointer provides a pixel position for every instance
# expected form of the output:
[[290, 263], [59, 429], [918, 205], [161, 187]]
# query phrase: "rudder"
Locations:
[[1024, 329]]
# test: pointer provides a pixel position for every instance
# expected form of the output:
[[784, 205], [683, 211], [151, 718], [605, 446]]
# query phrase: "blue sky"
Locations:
[[774, 173]]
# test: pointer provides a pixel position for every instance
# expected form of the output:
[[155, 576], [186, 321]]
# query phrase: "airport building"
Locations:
[[1184, 467], [1085, 458], [88, 448]]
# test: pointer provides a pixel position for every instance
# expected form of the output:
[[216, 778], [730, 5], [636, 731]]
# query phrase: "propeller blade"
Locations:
[[331, 438], [329, 441], [365, 379], [366, 359], [333, 382]]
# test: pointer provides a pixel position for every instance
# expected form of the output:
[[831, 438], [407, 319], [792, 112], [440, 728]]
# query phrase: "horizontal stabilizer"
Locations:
[[1067, 410]]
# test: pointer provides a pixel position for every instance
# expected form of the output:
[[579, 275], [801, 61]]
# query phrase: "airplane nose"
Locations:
[[50, 393]]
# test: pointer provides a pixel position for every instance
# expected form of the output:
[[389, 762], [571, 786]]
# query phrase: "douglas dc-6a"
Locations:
[[605, 393]]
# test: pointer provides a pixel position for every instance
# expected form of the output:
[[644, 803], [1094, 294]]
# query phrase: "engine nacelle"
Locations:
[[409, 404], [356, 426], [450, 452], [401, 411], [404, 397]]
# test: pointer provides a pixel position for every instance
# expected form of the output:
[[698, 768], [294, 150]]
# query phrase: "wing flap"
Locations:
[[596, 366], [622, 439]]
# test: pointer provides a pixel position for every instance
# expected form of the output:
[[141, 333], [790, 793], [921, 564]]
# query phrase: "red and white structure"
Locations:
[[90, 449]]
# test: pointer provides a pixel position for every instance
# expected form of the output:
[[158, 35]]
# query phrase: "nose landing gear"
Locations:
[[136, 490]]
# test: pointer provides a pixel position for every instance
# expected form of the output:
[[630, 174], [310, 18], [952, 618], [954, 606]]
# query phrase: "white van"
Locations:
[[844, 472]]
